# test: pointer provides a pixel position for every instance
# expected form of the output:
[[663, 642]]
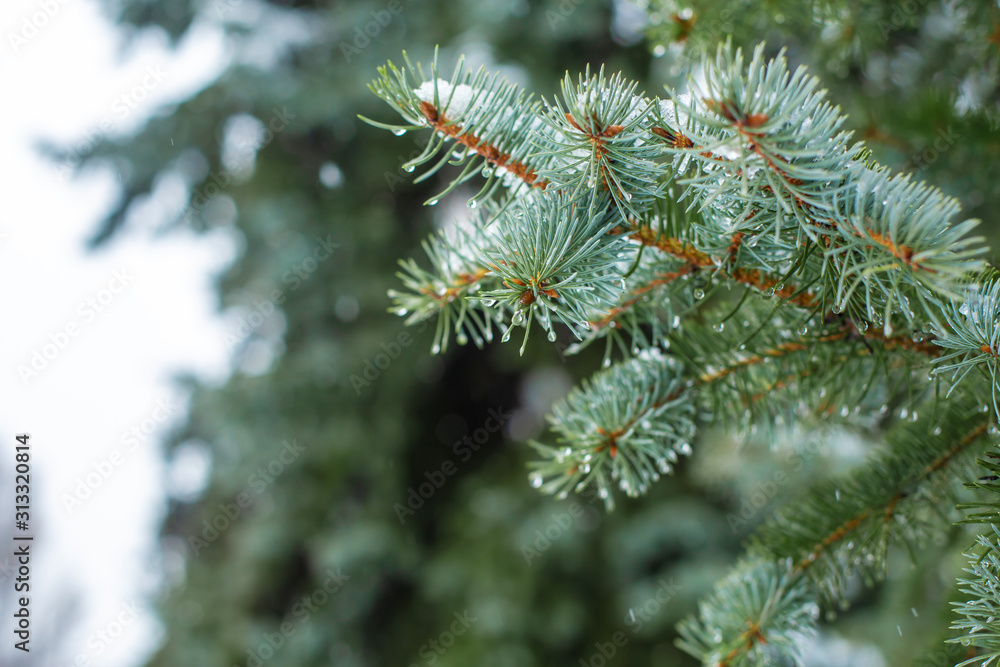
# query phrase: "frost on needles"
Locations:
[[743, 262]]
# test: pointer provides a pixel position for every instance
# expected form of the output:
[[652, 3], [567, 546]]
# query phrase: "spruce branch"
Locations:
[[759, 615], [790, 176], [722, 383], [870, 243], [446, 291], [842, 527], [601, 141], [979, 625], [487, 116], [846, 526], [756, 278], [971, 333], [627, 217], [557, 261], [625, 426]]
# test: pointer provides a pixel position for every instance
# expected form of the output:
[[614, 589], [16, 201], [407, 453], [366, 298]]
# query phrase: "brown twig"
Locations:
[[483, 148]]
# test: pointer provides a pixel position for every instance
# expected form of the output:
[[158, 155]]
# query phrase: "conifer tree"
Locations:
[[743, 261]]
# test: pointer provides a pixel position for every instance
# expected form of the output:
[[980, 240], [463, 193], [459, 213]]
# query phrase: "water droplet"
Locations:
[[487, 171], [769, 292], [432, 202], [676, 322], [937, 430], [518, 318], [607, 362], [684, 448], [803, 330], [658, 51], [461, 338], [552, 336], [408, 168], [862, 326], [536, 480], [719, 327], [472, 203], [699, 293], [435, 349], [398, 132]]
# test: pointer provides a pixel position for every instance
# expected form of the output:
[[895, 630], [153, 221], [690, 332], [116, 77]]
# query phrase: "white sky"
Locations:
[[60, 84]]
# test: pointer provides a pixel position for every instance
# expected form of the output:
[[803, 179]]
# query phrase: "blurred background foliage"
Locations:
[[320, 176]]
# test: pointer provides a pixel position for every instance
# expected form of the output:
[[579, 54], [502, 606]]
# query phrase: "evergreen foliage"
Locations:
[[772, 380], [660, 223]]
